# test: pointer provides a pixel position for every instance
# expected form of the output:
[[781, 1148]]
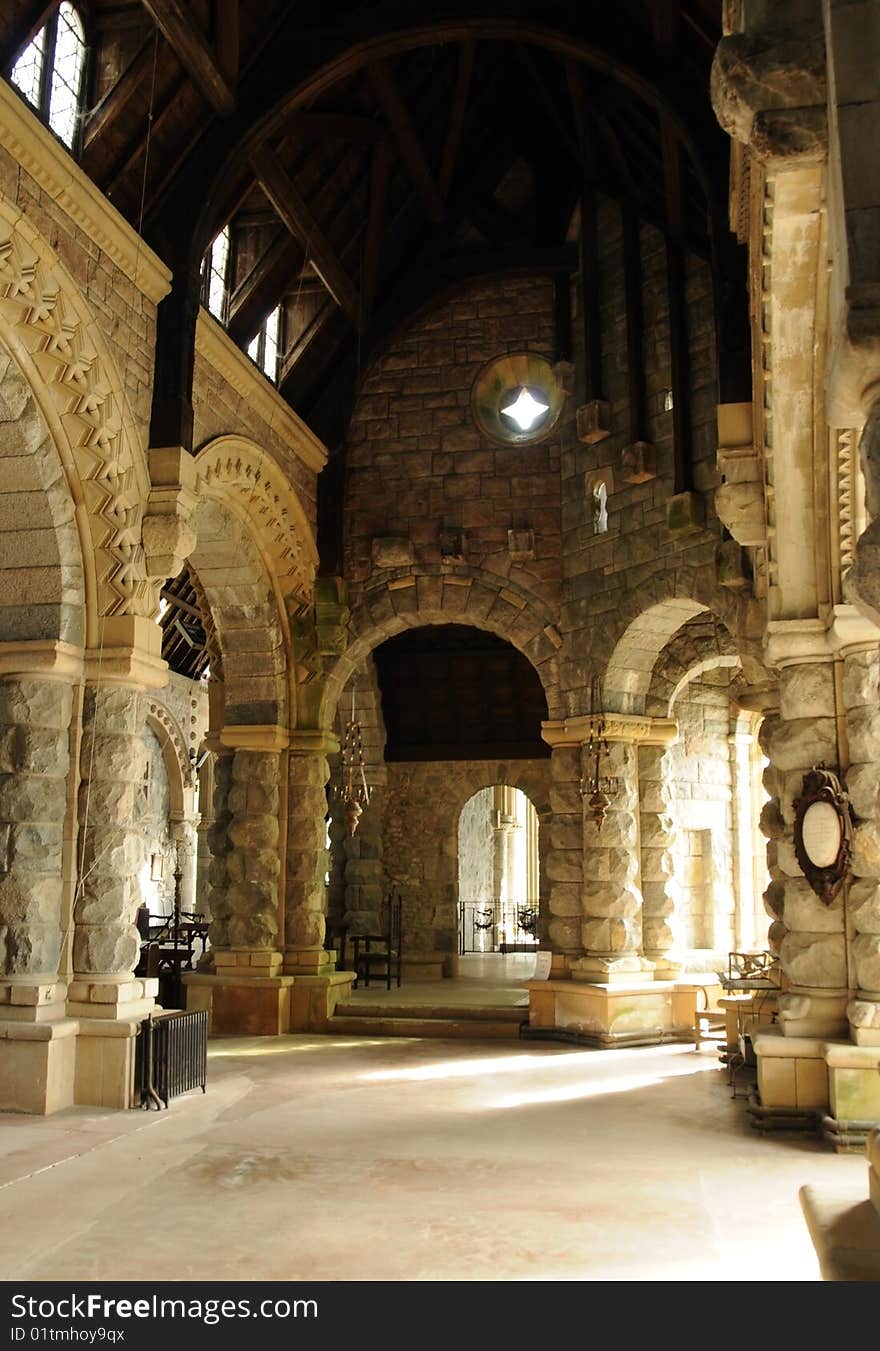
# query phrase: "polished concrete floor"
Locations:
[[323, 1158]]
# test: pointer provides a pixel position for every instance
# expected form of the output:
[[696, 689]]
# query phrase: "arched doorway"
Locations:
[[498, 874]]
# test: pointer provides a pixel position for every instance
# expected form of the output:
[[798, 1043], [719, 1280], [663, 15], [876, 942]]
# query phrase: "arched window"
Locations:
[[265, 346], [215, 275], [49, 72]]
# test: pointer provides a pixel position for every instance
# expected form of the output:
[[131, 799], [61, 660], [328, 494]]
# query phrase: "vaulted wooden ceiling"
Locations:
[[370, 154]]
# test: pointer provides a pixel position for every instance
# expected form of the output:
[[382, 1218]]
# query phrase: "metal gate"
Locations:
[[499, 926]]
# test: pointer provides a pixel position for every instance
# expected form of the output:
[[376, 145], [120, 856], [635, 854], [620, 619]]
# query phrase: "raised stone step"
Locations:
[[455, 1012], [392, 1025]]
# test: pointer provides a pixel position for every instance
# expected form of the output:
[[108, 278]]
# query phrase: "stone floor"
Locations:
[[319, 1158], [483, 980]]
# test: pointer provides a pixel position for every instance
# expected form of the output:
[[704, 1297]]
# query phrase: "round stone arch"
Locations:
[[630, 668], [702, 644], [412, 601], [255, 557], [47, 326], [46, 557], [180, 769]]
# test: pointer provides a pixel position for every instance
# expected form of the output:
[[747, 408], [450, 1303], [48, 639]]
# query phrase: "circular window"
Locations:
[[516, 398]]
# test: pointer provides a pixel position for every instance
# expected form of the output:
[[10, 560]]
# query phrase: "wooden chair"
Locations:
[[381, 954], [337, 939]]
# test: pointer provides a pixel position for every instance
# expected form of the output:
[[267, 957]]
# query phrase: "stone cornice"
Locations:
[[218, 349], [309, 742], [793, 642], [46, 659], [618, 727], [43, 156]]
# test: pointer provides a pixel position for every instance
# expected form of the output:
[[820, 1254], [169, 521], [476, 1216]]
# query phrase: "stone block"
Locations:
[[814, 959], [593, 421], [685, 514], [638, 462]]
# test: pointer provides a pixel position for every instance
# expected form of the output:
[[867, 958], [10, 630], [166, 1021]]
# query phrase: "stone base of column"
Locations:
[[313, 1000], [308, 961], [807, 1012], [105, 1052], [606, 970], [664, 965], [639, 1013], [118, 998], [832, 1077], [37, 1065], [241, 1004]]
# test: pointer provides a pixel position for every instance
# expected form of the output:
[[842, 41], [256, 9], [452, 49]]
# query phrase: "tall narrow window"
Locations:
[[49, 72], [216, 271], [266, 343]]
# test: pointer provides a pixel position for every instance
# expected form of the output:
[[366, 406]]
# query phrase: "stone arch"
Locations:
[[700, 645], [277, 548], [43, 580], [250, 629], [181, 773], [630, 667], [47, 326], [411, 601]]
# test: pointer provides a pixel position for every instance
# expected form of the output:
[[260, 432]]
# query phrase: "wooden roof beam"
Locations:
[[192, 49], [455, 125], [298, 218], [104, 113], [408, 143]]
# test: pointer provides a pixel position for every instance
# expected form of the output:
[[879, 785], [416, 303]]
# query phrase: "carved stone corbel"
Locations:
[[168, 531]]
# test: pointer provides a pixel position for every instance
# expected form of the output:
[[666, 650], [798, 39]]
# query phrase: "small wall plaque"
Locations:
[[823, 842]]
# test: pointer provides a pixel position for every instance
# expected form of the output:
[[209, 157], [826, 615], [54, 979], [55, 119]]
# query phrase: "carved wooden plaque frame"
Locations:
[[823, 806]]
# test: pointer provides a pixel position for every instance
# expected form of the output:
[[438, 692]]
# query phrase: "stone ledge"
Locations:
[[845, 1230], [61, 1027]]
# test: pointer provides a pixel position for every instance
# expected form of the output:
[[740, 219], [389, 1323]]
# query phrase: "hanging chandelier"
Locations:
[[354, 791], [596, 788]]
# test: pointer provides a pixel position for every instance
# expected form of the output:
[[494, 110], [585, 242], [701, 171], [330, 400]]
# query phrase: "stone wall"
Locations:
[[127, 317], [153, 817], [701, 808], [419, 469], [475, 844], [611, 577]]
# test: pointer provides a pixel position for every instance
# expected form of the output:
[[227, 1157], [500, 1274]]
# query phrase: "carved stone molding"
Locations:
[[618, 727], [49, 330], [42, 156], [242, 474]]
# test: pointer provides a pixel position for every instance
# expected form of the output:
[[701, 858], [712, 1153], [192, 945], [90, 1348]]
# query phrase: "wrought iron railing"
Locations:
[[499, 926]]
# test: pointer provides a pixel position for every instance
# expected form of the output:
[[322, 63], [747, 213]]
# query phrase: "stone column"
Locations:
[[809, 935], [247, 991], [37, 1055], [660, 934], [112, 765], [184, 832], [563, 857], [861, 695], [218, 845], [364, 869], [306, 899], [612, 901]]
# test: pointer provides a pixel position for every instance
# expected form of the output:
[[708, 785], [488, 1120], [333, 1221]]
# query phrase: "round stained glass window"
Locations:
[[516, 398]]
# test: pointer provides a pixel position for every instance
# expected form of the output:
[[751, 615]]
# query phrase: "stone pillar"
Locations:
[[595, 870], [809, 935], [611, 929], [660, 934], [248, 991], [306, 899], [109, 1001], [184, 832], [364, 869], [203, 835], [563, 858], [218, 845], [38, 1046], [861, 695]]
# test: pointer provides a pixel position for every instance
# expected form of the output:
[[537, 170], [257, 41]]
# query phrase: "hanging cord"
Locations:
[[82, 875]]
